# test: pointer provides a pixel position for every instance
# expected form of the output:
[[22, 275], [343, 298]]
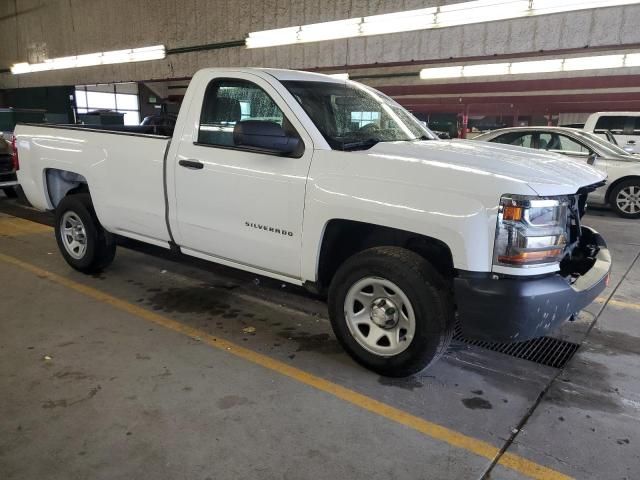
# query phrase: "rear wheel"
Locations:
[[84, 244], [625, 198], [10, 192], [391, 311]]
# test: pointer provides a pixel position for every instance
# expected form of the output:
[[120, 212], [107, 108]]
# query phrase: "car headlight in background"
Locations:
[[531, 231]]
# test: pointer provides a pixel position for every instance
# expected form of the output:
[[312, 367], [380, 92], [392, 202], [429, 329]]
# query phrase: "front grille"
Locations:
[[548, 351]]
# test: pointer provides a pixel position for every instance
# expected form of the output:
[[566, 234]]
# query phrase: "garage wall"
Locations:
[[31, 30]]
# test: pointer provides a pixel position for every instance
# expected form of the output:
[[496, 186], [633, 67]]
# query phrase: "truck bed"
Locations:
[[122, 167]]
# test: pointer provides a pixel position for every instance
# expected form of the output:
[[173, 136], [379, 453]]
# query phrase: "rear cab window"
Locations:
[[615, 124]]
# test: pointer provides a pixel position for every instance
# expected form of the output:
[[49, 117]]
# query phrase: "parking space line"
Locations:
[[619, 303], [15, 227], [433, 430]]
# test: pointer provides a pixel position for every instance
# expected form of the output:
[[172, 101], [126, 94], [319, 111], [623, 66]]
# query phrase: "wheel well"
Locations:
[[61, 183], [618, 182], [344, 238]]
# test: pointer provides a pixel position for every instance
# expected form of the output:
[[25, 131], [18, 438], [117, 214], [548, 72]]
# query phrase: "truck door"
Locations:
[[232, 202]]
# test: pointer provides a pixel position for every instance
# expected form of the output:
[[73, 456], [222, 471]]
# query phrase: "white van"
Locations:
[[625, 127]]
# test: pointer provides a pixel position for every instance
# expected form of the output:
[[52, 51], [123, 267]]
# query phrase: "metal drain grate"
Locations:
[[549, 351]]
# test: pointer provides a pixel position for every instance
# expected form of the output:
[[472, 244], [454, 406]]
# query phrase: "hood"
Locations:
[[546, 173]]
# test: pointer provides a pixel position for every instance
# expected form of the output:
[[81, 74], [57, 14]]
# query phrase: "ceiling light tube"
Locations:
[[536, 66], [463, 13], [489, 69], [480, 11], [545, 7], [593, 62], [155, 52], [398, 22], [329, 30], [441, 72], [570, 64], [270, 38], [632, 60]]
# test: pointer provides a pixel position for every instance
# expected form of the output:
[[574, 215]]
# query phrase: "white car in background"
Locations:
[[622, 191], [625, 127]]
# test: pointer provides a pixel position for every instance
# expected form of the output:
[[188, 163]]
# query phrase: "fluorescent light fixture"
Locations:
[[329, 30], [441, 72], [632, 60], [536, 66], [545, 7], [569, 64], [464, 13], [398, 22], [268, 38], [485, 70], [340, 76], [593, 62], [480, 11], [156, 52]]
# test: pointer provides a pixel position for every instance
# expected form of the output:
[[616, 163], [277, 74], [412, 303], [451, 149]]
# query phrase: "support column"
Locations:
[[465, 122]]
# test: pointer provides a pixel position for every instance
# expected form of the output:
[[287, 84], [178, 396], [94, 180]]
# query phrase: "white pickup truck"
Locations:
[[330, 184]]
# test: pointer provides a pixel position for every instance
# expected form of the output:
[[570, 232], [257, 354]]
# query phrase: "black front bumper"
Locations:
[[8, 180], [513, 309]]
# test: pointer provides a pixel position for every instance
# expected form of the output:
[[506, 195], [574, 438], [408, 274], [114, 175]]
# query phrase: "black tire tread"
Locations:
[[431, 281], [105, 245], [614, 194]]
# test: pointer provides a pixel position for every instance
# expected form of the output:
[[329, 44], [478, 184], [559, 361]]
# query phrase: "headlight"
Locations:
[[531, 231]]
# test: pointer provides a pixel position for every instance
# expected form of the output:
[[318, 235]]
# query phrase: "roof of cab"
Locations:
[[284, 75]]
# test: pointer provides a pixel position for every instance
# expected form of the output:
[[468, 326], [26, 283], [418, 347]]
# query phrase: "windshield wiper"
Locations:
[[360, 145]]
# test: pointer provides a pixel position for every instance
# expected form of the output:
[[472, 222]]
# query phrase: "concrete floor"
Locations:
[[119, 376]]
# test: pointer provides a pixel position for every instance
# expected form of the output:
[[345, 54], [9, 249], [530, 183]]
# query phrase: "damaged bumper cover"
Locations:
[[510, 309]]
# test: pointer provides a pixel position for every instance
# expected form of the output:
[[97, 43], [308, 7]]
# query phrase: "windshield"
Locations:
[[608, 147], [351, 116]]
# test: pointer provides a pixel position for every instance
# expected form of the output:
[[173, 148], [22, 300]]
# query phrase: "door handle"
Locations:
[[192, 164]]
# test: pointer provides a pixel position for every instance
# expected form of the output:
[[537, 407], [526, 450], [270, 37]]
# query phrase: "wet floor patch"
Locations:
[[206, 299], [408, 383], [320, 342], [477, 403]]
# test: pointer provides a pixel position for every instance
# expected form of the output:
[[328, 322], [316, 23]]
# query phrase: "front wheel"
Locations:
[[391, 311], [84, 244], [625, 198]]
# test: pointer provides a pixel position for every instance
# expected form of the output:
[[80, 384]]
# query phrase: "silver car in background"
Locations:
[[622, 191]]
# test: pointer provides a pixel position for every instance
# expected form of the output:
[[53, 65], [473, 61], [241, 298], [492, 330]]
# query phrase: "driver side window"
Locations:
[[228, 102]]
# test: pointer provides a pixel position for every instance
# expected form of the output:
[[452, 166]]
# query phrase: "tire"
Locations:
[[76, 211], [10, 192], [625, 198], [430, 302]]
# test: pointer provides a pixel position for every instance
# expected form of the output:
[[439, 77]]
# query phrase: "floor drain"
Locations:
[[548, 351]]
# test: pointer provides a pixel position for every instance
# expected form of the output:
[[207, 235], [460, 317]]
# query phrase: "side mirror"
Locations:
[[592, 159], [266, 137]]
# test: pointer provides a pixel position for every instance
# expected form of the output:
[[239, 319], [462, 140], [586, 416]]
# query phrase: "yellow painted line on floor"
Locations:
[[619, 303], [16, 227], [433, 430]]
